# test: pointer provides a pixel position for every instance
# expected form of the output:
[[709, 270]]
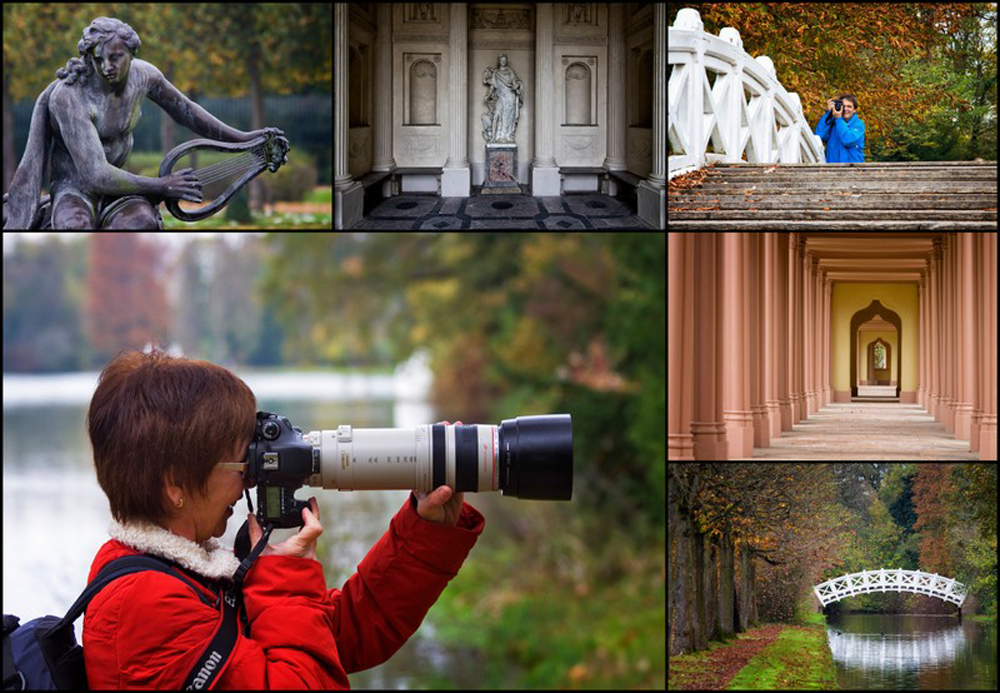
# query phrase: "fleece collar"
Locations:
[[209, 558]]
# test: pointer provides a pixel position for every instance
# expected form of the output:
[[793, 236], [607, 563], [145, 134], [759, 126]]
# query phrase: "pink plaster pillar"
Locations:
[[796, 252], [771, 336], [680, 345], [808, 343], [781, 331], [988, 423], [755, 296], [736, 394], [935, 329], [707, 427], [967, 338]]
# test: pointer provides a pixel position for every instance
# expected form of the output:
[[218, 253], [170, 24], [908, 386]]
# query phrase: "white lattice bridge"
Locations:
[[769, 127], [883, 580]]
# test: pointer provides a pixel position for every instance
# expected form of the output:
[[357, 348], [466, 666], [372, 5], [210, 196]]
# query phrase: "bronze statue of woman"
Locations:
[[87, 116]]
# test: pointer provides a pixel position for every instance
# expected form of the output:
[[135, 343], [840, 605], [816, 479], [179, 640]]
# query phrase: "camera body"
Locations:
[[529, 457], [838, 105], [279, 461]]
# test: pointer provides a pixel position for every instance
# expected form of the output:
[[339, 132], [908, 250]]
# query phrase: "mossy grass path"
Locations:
[[768, 657]]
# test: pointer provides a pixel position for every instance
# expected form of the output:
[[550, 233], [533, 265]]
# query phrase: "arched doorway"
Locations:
[[879, 362], [863, 316]]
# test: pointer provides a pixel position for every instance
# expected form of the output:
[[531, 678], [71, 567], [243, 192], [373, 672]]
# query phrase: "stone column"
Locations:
[[348, 195], [455, 176], [382, 134], [652, 192], [545, 181], [617, 77]]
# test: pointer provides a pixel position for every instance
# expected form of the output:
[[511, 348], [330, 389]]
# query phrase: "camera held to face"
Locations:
[[529, 457]]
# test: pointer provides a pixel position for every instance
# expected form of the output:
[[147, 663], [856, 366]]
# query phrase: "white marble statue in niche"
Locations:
[[504, 98]]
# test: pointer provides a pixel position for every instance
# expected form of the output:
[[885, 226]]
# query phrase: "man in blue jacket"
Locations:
[[842, 131]]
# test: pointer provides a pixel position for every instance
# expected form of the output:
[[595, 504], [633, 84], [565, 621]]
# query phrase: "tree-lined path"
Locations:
[[773, 584]]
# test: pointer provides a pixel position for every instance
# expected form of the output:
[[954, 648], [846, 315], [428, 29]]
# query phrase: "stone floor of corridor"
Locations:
[[867, 431], [576, 211]]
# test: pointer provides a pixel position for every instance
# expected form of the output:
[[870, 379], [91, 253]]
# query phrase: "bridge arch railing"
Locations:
[[883, 580], [769, 128]]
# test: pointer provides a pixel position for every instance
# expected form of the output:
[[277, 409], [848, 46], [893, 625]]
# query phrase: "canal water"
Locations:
[[903, 651]]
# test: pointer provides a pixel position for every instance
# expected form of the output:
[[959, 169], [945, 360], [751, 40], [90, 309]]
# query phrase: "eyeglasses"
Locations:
[[240, 467], [235, 466]]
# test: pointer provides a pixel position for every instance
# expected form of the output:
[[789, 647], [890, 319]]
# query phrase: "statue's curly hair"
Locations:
[[100, 30]]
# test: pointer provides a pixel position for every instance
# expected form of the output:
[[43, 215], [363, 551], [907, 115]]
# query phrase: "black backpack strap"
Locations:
[[120, 567], [216, 656]]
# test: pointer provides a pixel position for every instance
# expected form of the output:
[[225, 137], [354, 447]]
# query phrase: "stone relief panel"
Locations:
[[581, 23], [580, 13], [359, 151], [639, 150], [420, 21], [422, 147], [420, 12], [501, 18]]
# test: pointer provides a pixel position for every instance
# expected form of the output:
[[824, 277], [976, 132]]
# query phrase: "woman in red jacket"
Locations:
[[160, 427]]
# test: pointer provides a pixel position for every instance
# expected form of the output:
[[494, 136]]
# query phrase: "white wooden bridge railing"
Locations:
[[883, 580], [770, 127]]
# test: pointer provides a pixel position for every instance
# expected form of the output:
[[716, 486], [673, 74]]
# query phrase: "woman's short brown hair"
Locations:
[[154, 414]]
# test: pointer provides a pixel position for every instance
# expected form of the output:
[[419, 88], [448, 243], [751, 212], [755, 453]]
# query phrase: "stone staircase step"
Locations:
[[753, 225], [939, 195], [840, 214]]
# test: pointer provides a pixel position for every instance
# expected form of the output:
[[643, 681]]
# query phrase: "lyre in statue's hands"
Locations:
[[278, 146], [266, 150]]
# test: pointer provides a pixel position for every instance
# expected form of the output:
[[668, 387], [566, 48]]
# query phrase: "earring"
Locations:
[[180, 502]]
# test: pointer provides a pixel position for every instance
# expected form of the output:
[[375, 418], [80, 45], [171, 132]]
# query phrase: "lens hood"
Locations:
[[536, 454]]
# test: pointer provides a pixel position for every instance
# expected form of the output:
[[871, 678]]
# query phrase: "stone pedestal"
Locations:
[[501, 169]]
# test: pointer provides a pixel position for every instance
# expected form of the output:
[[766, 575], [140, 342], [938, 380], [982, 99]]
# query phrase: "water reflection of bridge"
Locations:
[[901, 651]]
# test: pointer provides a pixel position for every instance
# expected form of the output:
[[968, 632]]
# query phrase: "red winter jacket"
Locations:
[[147, 629]]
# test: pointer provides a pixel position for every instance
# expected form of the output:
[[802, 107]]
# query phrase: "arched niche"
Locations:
[[857, 320], [873, 372], [423, 93], [577, 86]]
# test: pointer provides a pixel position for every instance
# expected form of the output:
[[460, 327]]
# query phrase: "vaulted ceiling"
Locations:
[[872, 257]]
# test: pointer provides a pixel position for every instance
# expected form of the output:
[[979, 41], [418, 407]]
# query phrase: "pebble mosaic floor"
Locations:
[[430, 212], [867, 431]]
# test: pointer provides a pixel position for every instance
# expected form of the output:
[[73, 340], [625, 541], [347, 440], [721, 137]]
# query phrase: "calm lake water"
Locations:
[[901, 651]]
